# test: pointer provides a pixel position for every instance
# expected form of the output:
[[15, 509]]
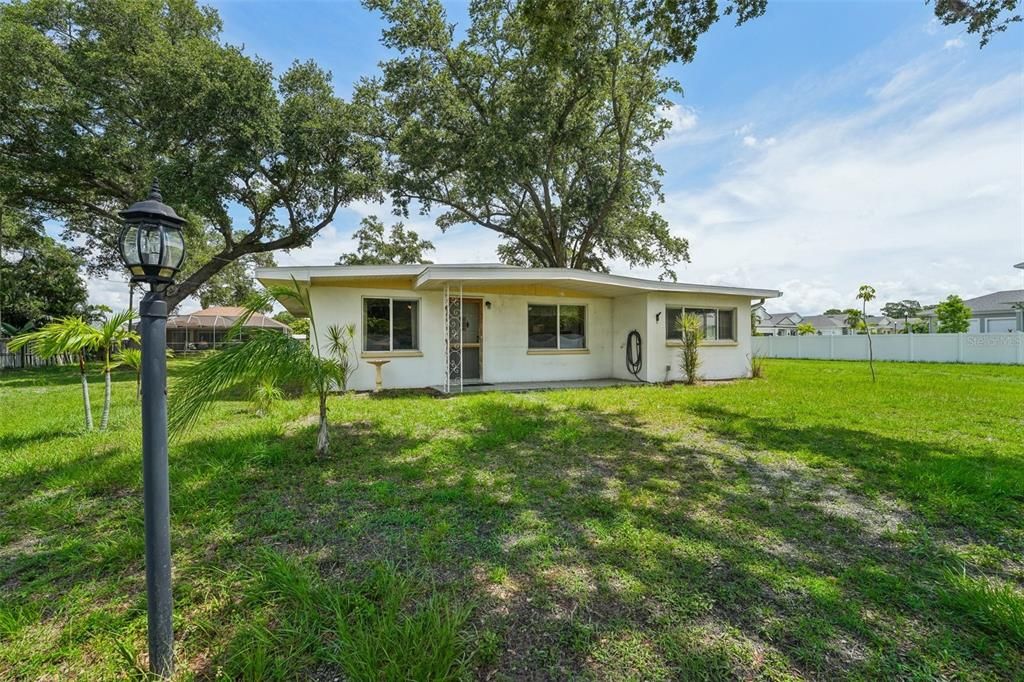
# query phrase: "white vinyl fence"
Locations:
[[1005, 349]]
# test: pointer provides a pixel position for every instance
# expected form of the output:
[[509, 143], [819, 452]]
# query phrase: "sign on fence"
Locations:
[[1004, 349]]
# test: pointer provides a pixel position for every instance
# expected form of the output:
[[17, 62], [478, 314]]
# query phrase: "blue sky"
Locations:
[[822, 146]]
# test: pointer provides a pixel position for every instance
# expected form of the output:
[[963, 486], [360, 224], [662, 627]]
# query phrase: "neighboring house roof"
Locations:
[[434, 277], [998, 302], [823, 322], [767, 319], [222, 317], [820, 322]]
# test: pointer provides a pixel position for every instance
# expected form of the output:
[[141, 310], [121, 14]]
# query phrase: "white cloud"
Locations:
[[755, 142], [683, 119], [953, 44], [918, 194]]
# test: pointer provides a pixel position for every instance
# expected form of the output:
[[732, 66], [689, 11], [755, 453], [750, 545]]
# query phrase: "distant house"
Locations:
[[208, 329], [776, 324], [785, 324], [999, 312]]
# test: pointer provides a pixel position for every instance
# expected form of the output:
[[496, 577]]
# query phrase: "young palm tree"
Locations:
[[266, 355], [132, 358], [865, 294], [111, 336], [70, 335]]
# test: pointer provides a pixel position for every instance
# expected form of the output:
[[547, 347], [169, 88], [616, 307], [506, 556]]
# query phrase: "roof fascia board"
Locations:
[[441, 273]]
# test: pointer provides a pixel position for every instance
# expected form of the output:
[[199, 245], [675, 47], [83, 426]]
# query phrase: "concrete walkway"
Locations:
[[521, 386]]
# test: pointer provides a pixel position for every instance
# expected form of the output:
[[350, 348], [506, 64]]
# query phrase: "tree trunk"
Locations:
[[871, 351], [106, 400], [322, 444], [85, 393]]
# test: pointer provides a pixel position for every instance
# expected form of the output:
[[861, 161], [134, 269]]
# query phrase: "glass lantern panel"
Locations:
[[174, 249], [149, 244], [130, 246]]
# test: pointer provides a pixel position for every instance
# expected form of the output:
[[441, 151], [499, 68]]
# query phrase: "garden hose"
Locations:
[[634, 359]]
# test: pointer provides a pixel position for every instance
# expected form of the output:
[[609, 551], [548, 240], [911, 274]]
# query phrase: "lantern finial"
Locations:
[[154, 191]]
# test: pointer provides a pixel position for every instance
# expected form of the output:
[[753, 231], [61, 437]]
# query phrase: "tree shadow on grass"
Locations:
[[982, 491], [586, 544], [591, 546]]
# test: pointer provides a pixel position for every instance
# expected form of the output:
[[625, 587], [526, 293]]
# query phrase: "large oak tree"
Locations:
[[539, 122], [99, 97]]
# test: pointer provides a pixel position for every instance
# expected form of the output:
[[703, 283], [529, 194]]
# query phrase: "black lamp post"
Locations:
[[153, 248]]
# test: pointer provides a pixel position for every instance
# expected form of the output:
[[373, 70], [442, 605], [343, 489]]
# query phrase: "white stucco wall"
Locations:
[[344, 305], [506, 357], [718, 360], [629, 313]]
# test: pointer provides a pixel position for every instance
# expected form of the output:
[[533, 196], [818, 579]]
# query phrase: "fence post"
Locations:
[[959, 347], [1019, 337], [831, 347], [771, 347], [798, 354], [910, 353]]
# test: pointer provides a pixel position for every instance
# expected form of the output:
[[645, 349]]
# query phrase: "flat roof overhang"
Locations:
[[481, 278]]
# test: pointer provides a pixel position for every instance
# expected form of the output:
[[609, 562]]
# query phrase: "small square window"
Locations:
[[556, 326], [390, 324]]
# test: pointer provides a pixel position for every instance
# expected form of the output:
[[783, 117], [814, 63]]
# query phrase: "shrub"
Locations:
[[264, 394], [756, 366], [693, 332]]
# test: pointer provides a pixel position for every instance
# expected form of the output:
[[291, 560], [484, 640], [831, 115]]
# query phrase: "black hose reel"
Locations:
[[634, 356]]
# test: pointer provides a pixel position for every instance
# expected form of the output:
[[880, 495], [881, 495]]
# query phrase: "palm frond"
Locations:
[[68, 335], [261, 300], [265, 354], [114, 328], [130, 357]]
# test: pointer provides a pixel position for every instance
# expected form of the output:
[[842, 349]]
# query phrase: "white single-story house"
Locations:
[[447, 326]]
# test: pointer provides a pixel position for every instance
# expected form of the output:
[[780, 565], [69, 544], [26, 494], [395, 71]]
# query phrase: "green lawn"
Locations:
[[807, 525]]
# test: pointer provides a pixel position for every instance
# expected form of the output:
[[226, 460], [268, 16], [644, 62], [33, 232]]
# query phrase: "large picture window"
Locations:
[[390, 324], [557, 327], [718, 324]]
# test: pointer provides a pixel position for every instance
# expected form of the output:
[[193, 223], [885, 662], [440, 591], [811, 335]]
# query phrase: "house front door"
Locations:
[[471, 344]]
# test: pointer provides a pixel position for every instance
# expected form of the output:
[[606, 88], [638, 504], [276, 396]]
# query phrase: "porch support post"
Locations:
[[447, 340]]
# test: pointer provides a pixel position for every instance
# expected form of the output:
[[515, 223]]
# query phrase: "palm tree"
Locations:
[[113, 334], [267, 355], [132, 358], [71, 335], [867, 293]]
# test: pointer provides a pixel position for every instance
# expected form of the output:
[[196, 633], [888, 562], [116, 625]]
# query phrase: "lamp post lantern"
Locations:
[[153, 248]]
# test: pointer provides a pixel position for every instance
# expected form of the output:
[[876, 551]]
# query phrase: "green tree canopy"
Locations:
[[375, 247], [236, 284], [539, 124], [899, 310], [953, 315], [983, 17], [39, 277], [299, 325], [98, 98]]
